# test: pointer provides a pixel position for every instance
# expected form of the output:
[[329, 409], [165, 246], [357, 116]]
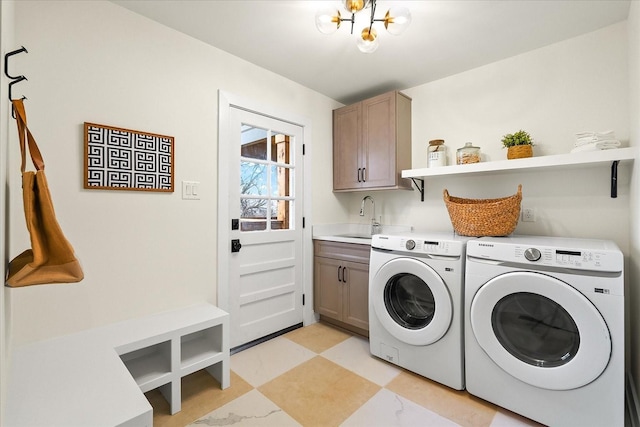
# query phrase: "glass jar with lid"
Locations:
[[436, 153], [468, 154]]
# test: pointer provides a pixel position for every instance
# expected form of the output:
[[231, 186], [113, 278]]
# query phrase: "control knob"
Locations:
[[410, 244], [532, 254]]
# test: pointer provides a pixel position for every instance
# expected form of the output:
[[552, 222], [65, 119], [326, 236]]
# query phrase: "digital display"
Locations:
[[430, 243], [574, 253]]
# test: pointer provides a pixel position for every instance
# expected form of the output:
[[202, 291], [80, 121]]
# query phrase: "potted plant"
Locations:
[[518, 145]]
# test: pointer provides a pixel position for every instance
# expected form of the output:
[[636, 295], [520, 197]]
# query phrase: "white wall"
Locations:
[[634, 264], [141, 252], [6, 45]]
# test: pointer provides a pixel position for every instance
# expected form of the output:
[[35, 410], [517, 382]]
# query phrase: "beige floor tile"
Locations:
[[201, 394], [354, 354], [262, 363], [319, 392], [506, 418], [317, 337], [250, 409], [391, 410], [458, 406]]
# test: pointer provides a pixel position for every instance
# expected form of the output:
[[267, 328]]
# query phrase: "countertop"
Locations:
[[352, 233]]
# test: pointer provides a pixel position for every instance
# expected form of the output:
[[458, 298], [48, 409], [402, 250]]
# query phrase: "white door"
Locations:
[[411, 301], [265, 207], [540, 330]]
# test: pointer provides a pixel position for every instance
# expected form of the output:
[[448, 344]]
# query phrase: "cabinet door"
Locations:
[[347, 169], [378, 150], [328, 287], [356, 295]]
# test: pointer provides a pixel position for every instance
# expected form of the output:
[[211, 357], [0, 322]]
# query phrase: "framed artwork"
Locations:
[[124, 159]]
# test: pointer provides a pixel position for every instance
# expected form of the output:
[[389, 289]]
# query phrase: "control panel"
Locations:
[[417, 245], [596, 259]]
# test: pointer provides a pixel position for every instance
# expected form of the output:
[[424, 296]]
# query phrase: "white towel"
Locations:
[[583, 138], [599, 145]]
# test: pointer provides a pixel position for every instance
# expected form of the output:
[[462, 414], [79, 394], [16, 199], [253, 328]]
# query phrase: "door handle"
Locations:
[[344, 270], [364, 174], [359, 170], [235, 245], [339, 279]]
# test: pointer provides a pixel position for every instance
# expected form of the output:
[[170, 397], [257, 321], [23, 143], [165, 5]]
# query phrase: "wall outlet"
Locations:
[[528, 215]]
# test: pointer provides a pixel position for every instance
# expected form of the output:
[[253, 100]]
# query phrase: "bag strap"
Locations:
[[34, 151]]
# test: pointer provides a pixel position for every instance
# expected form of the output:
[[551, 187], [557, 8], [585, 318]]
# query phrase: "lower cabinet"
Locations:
[[341, 284]]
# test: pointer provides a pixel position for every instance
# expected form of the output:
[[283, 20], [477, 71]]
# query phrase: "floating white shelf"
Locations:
[[564, 161]]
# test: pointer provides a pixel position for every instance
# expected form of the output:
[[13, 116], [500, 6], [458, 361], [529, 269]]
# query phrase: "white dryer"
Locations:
[[415, 304], [545, 328]]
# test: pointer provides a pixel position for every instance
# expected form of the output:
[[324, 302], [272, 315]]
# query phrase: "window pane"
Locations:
[[253, 214], [253, 179], [281, 185], [253, 143], [280, 149], [281, 218]]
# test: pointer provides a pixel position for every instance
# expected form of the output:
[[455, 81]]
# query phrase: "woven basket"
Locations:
[[484, 217], [519, 152]]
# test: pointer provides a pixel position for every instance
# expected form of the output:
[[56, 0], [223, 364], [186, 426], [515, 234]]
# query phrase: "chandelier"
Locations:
[[396, 20]]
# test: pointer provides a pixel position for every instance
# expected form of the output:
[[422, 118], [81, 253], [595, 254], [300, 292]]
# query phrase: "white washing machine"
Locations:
[[544, 328], [415, 304]]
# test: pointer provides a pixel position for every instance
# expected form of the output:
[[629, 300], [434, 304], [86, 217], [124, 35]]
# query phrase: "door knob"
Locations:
[[235, 245]]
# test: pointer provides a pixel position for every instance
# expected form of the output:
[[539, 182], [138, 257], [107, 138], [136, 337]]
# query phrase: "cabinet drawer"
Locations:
[[344, 251]]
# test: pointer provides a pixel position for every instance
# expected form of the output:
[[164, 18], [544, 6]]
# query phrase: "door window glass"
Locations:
[[266, 180], [409, 301], [535, 329]]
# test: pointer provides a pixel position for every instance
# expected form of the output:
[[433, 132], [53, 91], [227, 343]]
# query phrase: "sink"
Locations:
[[355, 236]]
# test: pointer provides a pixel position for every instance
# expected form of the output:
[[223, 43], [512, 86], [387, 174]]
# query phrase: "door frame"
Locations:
[[226, 101]]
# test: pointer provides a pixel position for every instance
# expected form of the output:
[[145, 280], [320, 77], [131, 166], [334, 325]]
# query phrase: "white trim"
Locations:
[[227, 100]]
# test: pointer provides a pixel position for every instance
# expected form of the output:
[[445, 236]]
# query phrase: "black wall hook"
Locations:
[[6, 61], [14, 79]]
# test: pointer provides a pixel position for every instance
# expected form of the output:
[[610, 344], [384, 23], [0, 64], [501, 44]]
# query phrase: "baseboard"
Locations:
[[633, 406]]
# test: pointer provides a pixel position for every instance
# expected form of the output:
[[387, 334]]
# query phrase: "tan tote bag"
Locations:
[[51, 258]]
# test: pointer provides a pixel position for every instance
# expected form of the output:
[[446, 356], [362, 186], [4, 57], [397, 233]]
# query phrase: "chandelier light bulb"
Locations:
[[368, 40], [397, 20], [354, 6], [328, 20]]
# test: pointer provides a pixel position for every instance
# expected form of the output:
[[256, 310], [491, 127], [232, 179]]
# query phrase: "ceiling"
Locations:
[[445, 37]]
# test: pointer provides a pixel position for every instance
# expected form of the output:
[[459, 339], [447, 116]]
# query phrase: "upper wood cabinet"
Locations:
[[372, 143]]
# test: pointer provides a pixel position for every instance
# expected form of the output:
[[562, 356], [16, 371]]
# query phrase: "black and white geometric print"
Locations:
[[127, 160]]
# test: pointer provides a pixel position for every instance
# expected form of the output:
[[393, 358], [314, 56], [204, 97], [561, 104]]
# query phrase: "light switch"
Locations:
[[190, 190]]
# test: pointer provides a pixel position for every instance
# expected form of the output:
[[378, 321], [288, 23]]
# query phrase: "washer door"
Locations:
[[411, 301], [540, 330]]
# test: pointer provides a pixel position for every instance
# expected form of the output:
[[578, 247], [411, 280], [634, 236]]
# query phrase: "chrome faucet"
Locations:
[[376, 227]]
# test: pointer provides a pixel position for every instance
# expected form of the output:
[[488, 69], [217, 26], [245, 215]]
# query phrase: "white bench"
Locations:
[[97, 377]]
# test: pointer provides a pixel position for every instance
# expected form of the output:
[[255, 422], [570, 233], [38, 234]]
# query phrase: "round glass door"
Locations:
[[535, 329], [411, 301], [540, 330]]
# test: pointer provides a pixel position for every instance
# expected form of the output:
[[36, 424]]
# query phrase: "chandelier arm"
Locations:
[[353, 21], [373, 14]]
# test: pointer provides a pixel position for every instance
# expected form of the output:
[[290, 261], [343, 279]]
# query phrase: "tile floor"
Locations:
[[322, 376]]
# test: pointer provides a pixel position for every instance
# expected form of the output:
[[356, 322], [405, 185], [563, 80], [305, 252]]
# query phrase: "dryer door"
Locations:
[[411, 301], [540, 330]]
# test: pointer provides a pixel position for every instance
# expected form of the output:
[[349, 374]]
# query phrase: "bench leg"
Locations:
[[172, 392], [220, 371]]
